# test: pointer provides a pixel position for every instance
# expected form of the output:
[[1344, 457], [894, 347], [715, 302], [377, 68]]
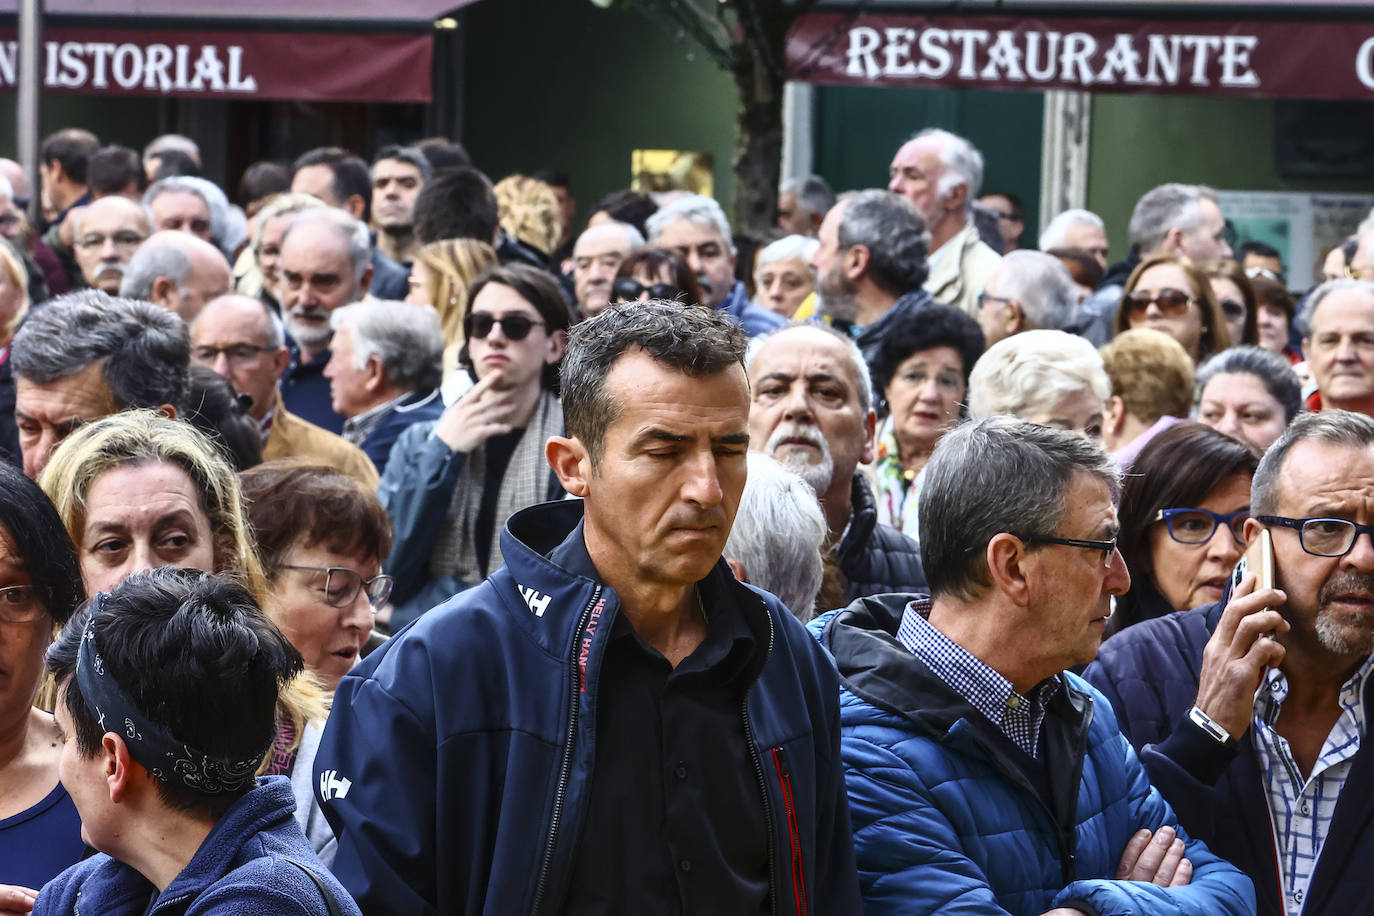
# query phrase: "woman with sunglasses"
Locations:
[[1168, 293], [1183, 507], [652, 273], [451, 484]]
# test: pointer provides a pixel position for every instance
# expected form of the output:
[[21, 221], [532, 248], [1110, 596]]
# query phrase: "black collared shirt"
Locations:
[[675, 820]]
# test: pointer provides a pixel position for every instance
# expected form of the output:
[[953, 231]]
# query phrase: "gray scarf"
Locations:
[[525, 483]]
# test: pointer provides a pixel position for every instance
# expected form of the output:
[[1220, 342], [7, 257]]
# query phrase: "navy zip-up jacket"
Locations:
[[458, 757], [1150, 673]]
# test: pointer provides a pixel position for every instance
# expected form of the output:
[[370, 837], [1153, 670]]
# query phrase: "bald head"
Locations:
[[596, 259], [239, 339], [15, 173], [105, 235], [178, 271]]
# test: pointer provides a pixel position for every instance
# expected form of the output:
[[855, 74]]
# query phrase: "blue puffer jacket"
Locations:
[[242, 868], [457, 759], [945, 823], [1150, 673]]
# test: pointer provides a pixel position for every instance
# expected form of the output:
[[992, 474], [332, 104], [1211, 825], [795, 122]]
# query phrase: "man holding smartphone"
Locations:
[[1251, 714]]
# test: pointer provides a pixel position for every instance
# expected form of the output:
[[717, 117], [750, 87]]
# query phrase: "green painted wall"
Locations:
[[1140, 141], [571, 86], [132, 121], [858, 129]]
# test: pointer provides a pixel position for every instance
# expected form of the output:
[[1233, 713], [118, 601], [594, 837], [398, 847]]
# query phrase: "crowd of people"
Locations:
[[371, 540]]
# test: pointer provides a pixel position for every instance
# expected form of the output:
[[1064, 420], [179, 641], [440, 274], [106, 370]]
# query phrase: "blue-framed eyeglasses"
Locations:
[[1196, 526]]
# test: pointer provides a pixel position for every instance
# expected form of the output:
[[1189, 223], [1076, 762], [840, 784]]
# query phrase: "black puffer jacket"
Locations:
[[876, 558]]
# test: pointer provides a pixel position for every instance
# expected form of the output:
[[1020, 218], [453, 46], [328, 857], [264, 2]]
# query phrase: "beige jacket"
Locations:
[[963, 271], [292, 437]]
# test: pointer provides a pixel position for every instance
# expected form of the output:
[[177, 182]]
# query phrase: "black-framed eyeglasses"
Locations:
[[478, 325], [1196, 526], [1108, 548], [1172, 302], [628, 289], [341, 586], [236, 354], [1321, 537], [20, 604]]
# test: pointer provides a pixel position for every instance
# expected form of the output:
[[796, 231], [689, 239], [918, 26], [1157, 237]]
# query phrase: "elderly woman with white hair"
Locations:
[[1048, 378], [778, 536], [783, 275]]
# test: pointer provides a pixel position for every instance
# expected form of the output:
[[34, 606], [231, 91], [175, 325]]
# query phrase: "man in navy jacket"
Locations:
[[611, 723], [1252, 715]]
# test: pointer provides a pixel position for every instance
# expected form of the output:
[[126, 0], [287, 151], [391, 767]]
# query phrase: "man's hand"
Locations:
[[1237, 654], [1156, 858], [482, 412], [16, 900]]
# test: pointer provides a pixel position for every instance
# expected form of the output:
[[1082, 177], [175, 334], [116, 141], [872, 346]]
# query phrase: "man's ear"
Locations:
[[365, 283], [280, 360], [1116, 414], [870, 437], [1173, 241], [117, 766], [375, 376], [1016, 319], [558, 342], [168, 410], [737, 568], [856, 261], [355, 205], [1006, 555], [957, 197], [164, 293], [569, 459]]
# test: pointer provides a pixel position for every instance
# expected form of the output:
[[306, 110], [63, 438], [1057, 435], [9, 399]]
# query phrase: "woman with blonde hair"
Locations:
[[528, 209], [137, 490], [440, 277], [14, 305]]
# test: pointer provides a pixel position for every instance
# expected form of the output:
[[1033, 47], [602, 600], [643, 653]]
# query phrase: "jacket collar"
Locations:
[[863, 517]]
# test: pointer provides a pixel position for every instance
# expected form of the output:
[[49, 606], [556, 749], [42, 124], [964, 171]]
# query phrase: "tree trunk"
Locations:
[[758, 153]]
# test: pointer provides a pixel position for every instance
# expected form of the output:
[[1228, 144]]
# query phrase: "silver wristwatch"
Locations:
[[1211, 727]]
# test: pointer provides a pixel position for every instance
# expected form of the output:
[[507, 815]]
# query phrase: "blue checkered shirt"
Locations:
[[1017, 717], [1302, 809]]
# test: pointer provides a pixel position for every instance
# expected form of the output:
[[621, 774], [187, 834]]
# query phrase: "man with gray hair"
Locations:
[[1029, 291], [177, 271], [325, 263], [802, 203], [980, 770], [1176, 219], [107, 233], [384, 372], [778, 537], [87, 355], [188, 204], [1082, 230], [695, 228], [596, 258], [1338, 337], [1252, 714], [871, 265], [941, 173], [241, 339], [813, 412]]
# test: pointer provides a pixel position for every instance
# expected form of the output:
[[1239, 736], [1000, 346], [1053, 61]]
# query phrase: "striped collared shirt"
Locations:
[[1017, 717], [1302, 808]]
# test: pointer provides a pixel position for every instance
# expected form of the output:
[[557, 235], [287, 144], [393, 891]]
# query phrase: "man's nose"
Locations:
[[220, 366], [1361, 555], [702, 486], [895, 184], [796, 404], [1230, 424], [1118, 580]]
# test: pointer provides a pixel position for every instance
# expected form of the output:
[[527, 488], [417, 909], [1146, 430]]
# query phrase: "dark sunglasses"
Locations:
[[1171, 302], [515, 327], [628, 289]]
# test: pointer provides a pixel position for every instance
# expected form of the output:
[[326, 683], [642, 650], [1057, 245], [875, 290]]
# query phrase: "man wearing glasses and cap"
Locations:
[[979, 769], [1251, 714]]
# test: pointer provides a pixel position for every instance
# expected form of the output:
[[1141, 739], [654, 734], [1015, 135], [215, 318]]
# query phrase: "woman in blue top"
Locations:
[[40, 586]]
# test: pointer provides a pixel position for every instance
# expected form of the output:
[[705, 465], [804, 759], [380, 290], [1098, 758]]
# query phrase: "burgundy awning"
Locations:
[[1258, 58], [245, 12]]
